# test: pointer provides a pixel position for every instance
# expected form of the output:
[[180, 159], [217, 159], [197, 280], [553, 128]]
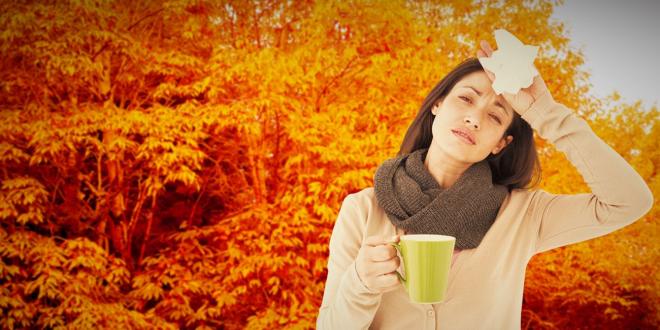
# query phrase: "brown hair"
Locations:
[[516, 166]]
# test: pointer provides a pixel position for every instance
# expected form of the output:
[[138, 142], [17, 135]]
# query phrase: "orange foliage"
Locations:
[[180, 164]]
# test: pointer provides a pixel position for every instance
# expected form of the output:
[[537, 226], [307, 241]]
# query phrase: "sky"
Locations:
[[621, 45]]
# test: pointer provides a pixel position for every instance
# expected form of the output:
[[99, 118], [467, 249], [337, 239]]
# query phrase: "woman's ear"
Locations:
[[502, 144], [436, 107]]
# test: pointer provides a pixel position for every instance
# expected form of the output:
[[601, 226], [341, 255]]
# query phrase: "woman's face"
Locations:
[[473, 108]]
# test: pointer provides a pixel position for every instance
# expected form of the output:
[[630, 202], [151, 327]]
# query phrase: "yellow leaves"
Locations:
[[292, 241], [241, 289], [47, 284], [274, 281], [18, 245], [7, 209], [119, 144], [244, 271], [118, 274], [196, 286], [47, 256], [22, 313], [174, 161], [324, 211], [82, 261], [184, 175], [295, 162], [198, 315], [169, 90], [146, 290], [83, 245], [301, 262], [32, 215], [9, 301], [234, 253], [319, 267], [129, 122], [223, 299], [264, 244], [9, 153], [22, 183], [317, 248], [8, 271], [53, 322], [150, 291], [314, 188], [175, 309], [153, 185], [23, 198]]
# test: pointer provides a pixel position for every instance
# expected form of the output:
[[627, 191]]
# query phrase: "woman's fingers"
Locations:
[[483, 52], [490, 75], [377, 257], [380, 240], [382, 252], [486, 47], [383, 267]]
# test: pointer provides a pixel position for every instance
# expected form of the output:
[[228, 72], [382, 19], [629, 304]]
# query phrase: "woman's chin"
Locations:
[[458, 153]]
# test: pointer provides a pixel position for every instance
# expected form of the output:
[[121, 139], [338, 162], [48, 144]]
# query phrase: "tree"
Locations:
[[168, 161]]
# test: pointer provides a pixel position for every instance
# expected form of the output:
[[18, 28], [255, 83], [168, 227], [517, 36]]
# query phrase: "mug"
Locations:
[[426, 263]]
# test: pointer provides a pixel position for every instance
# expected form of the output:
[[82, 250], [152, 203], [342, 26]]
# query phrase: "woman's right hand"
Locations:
[[521, 101], [376, 263]]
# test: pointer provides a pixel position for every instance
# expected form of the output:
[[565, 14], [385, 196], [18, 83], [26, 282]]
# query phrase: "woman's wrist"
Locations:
[[539, 107]]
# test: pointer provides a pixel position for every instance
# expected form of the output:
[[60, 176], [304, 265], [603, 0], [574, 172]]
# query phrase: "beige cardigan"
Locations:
[[485, 287]]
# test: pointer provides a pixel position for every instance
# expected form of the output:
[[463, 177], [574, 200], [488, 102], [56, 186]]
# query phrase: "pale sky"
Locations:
[[621, 44]]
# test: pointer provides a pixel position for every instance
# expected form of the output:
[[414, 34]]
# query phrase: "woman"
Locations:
[[465, 169]]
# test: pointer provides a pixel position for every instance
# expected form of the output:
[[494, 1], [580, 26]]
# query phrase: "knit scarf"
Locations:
[[415, 202]]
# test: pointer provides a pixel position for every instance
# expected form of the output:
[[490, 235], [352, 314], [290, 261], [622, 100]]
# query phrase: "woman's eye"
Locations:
[[468, 100]]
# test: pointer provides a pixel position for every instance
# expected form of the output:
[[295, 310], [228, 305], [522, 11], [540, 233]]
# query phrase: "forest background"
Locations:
[[180, 164]]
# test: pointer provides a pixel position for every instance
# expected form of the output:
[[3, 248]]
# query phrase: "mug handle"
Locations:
[[401, 278]]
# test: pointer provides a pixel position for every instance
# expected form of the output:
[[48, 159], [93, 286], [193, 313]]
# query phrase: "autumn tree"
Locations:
[[181, 163]]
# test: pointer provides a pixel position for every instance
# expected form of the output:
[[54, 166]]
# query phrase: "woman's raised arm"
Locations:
[[619, 196]]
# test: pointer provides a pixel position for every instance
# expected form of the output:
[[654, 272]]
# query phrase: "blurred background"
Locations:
[[180, 164], [618, 40]]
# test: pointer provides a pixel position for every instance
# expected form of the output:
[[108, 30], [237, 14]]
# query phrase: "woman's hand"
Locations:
[[521, 101], [377, 262]]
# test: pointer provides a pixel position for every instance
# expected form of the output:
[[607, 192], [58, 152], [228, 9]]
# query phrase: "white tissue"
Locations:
[[512, 63]]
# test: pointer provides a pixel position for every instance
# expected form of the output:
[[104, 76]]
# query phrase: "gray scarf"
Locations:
[[414, 201]]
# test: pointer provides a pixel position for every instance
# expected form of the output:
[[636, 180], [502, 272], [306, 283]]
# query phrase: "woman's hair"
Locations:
[[516, 166]]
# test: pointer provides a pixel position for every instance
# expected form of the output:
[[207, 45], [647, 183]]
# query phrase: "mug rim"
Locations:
[[427, 238]]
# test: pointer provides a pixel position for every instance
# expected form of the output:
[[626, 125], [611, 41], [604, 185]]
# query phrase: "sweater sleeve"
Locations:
[[619, 196], [347, 302]]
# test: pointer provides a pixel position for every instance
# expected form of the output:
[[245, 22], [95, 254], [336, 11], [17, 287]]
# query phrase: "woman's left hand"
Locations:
[[521, 101]]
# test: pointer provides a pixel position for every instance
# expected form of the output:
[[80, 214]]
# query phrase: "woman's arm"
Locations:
[[347, 303], [619, 195]]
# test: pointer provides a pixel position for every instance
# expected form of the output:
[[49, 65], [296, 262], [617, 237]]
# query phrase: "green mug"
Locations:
[[426, 262]]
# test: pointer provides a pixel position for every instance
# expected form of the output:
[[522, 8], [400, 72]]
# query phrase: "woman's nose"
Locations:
[[471, 122]]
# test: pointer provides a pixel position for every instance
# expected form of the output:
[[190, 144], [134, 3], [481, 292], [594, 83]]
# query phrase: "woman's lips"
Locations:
[[463, 137]]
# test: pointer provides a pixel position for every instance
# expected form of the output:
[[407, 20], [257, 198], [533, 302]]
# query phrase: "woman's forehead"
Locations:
[[478, 80], [482, 85]]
